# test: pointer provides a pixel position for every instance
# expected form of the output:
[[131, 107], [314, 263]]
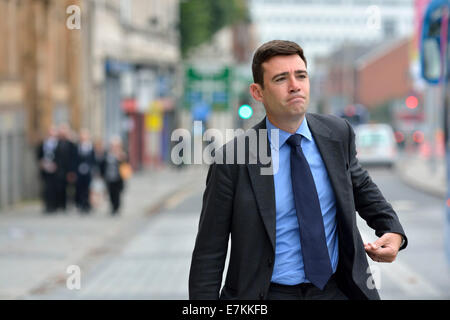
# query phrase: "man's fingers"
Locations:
[[371, 246], [382, 250], [380, 242], [382, 254], [375, 249]]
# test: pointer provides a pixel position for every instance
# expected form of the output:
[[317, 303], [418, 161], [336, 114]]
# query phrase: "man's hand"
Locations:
[[385, 249]]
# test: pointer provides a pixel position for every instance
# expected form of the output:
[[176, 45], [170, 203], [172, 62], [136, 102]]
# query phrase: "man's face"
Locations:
[[286, 88]]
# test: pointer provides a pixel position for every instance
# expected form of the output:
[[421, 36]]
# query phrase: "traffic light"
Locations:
[[412, 102], [245, 111]]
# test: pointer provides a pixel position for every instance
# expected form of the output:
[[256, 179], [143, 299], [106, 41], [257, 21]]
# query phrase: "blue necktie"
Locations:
[[312, 231]]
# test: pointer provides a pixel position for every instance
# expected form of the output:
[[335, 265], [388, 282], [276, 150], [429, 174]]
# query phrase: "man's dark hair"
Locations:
[[269, 50]]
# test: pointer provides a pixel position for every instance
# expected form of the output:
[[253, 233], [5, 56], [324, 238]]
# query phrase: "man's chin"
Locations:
[[294, 115], [297, 109]]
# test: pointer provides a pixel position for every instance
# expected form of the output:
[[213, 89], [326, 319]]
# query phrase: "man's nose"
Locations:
[[294, 85]]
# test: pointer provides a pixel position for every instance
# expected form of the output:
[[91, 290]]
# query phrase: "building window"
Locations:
[[389, 28], [125, 11]]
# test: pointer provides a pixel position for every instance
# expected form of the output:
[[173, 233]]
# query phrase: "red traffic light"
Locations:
[[412, 102]]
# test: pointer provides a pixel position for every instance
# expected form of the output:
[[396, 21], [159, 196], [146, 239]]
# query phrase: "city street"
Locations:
[[153, 262], [110, 112]]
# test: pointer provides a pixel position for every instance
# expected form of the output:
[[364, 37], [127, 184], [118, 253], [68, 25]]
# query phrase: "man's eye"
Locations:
[[279, 79]]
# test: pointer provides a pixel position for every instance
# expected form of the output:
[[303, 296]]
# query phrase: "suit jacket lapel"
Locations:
[[263, 185], [332, 156]]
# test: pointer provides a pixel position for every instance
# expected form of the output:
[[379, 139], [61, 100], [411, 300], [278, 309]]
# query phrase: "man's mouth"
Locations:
[[296, 99]]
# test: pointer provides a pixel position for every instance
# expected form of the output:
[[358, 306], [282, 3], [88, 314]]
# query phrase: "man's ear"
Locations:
[[256, 92]]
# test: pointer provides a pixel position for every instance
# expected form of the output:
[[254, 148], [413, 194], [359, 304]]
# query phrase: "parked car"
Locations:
[[376, 144]]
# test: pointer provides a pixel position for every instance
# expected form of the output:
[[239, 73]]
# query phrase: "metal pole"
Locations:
[[446, 94]]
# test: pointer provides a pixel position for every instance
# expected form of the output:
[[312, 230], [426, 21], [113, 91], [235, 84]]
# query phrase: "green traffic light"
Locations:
[[245, 111]]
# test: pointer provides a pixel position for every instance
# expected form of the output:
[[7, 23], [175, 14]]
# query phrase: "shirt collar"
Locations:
[[283, 135]]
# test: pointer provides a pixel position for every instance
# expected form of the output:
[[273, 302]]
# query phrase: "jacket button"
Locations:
[[261, 296]]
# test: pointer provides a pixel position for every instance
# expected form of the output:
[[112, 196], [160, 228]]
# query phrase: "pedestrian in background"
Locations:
[[85, 166], [65, 158], [293, 233], [47, 168], [110, 168], [98, 186]]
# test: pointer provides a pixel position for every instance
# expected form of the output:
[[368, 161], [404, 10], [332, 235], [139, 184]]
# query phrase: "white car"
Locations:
[[376, 144]]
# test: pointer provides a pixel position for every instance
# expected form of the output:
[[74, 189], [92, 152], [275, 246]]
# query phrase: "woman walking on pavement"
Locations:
[[110, 169]]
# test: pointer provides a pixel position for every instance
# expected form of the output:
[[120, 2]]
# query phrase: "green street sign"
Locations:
[[213, 88]]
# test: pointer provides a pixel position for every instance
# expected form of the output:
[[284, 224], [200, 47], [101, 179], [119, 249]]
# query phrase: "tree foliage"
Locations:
[[201, 19]]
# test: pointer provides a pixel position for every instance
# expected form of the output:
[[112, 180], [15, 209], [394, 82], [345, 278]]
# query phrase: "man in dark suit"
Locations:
[[65, 158], [293, 232]]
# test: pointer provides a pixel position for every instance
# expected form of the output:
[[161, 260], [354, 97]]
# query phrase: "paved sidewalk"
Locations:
[[36, 249], [423, 174]]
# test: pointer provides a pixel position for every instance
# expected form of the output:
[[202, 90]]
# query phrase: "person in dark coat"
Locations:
[[98, 187], [85, 166], [65, 158], [47, 167]]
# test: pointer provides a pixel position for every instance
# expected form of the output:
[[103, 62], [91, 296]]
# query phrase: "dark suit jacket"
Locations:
[[40, 155], [238, 200], [65, 158], [86, 159]]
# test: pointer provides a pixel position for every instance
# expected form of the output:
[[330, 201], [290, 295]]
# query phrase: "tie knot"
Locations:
[[294, 140]]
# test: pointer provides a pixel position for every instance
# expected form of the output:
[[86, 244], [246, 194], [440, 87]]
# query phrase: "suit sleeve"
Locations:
[[208, 258], [74, 161], [369, 201]]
